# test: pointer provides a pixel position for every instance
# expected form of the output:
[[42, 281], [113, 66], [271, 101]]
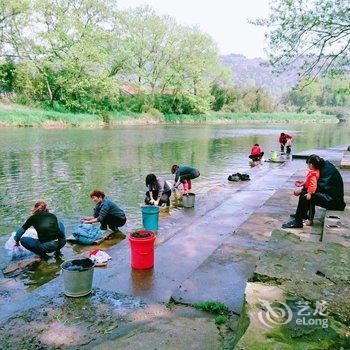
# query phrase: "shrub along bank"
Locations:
[[19, 116]]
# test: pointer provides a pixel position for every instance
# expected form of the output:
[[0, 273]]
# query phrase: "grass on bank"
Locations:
[[214, 307], [14, 115], [23, 116], [276, 117]]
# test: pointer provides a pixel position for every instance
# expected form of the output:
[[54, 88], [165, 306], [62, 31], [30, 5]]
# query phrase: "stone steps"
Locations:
[[232, 263], [223, 275], [345, 162], [336, 227], [183, 250]]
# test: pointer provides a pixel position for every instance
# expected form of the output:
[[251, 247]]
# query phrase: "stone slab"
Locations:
[[233, 263], [222, 277], [271, 321], [345, 162], [311, 270], [336, 227]]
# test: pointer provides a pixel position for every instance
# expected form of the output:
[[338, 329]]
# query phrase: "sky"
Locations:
[[224, 20]]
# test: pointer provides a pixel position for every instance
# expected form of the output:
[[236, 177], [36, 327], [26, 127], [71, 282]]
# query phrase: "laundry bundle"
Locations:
[[87, 234], [99, 257], [238, 177]]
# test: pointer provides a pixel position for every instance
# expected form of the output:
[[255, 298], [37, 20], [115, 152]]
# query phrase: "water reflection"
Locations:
[[63, 166], [142, 281]]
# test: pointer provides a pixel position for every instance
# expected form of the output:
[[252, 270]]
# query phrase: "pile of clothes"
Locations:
[[238, 177], [87, 234], [99, 257]]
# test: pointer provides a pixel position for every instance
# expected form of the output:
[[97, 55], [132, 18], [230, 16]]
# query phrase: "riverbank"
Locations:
[[21, 116]]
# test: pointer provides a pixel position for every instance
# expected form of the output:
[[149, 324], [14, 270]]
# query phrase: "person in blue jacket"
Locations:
[[106, 212], [51, 233]]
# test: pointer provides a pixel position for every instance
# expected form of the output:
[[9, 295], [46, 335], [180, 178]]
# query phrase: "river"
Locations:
[[62, 166]]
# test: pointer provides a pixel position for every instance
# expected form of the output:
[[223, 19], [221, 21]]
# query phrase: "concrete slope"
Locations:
[[181, 254], [223, 276]]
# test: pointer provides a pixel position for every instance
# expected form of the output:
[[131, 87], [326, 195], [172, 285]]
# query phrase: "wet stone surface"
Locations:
[[314, 271], [68, 322]]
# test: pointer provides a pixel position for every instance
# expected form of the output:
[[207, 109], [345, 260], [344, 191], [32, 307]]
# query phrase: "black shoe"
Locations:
[[293, 224], [234, 178], [244, 177]]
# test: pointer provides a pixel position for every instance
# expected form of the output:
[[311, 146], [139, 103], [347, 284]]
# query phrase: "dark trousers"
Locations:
[[306, 208], [190, 176], [256, 157], [113, 222], [289, 148], [165, 198], [41, 248]]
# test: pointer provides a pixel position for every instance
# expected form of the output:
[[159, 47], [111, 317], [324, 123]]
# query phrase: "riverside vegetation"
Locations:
[[11, 116], [90, 63]]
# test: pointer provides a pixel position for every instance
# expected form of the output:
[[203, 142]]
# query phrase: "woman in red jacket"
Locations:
[[256, 154], [285, 140]]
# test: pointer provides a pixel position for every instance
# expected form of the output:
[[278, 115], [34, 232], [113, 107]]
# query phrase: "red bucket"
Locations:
[[142, 249]]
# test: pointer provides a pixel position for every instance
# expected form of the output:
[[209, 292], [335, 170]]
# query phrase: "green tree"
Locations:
[[219, 97], [62, 46], [315, 32], [74, 54], [7, 77], [332, 91]]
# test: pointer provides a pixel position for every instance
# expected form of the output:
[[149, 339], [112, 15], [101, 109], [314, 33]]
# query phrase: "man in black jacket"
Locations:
[[329, 194]]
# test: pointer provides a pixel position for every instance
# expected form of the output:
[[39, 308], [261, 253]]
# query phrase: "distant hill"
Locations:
[[255, 72]]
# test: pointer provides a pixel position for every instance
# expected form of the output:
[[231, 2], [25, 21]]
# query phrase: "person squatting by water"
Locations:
[[285, 140], [159, 191], [329, 193], [51, 233], [106, 212], [184, 174], [256, 153]]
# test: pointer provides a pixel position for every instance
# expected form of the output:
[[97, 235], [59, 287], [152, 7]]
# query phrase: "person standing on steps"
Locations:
[[329, 193], [106, 212], [184, 174], [51, 233], [158, 192], [285, 140]]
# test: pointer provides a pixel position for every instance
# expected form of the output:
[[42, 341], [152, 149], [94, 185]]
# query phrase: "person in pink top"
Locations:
[[256, 153]]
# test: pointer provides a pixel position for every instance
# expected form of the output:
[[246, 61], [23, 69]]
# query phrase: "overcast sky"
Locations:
[[224, 20]]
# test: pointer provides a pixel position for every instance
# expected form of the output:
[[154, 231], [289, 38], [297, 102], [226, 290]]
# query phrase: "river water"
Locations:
[[61, 167]]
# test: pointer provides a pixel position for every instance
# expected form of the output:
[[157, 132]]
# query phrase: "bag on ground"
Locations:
[[19, 252]]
